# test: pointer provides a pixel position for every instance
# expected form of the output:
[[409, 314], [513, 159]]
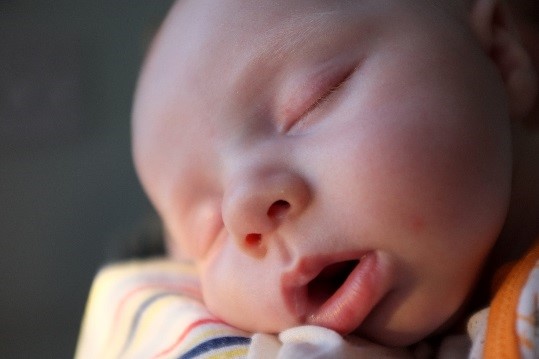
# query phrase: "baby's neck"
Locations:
[[521, 229], [522, 226]]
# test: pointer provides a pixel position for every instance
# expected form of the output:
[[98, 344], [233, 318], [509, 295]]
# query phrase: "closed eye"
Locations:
[[325, 96], [320, 99]]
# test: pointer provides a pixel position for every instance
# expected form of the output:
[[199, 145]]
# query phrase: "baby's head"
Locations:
[[339, 163]]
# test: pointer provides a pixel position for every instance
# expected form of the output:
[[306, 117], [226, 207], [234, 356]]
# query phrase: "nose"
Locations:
[[257, 203]]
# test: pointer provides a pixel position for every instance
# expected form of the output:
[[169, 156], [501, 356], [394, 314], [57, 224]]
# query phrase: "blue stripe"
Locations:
[[216, 343], [138, 316]]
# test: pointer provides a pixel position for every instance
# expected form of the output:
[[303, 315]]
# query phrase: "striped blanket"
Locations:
[[153, 309]]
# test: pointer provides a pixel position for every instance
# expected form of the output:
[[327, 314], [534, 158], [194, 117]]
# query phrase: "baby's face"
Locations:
[[337, 163]]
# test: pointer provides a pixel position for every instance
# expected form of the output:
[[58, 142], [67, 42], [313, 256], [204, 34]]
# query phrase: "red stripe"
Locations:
[[182, 289], [185, 333]]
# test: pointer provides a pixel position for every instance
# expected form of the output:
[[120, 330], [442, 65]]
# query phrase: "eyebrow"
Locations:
[[282, 40]]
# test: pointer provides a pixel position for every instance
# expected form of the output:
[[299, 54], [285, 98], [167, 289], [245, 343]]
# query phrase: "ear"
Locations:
[[493, 25]]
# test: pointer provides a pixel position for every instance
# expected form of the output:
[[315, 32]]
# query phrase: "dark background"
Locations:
[[67, 185]]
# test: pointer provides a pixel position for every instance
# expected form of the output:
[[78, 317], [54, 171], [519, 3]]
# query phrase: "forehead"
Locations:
[[210, 52], [210, 55], [214, 57], [205, 43], [264, 20], [205, 37]]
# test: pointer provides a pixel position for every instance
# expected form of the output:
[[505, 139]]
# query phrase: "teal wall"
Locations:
[[67, 185]]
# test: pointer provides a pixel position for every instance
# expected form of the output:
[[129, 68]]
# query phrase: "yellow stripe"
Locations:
[[149, 319], [525, 341], [527, 318], [232, 353]]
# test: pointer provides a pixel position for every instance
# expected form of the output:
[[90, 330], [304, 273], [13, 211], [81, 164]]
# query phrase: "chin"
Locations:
[[396, 336], [390, 338], [400, 338]]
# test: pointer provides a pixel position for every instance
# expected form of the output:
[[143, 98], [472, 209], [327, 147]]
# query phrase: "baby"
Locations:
[[363, 166]]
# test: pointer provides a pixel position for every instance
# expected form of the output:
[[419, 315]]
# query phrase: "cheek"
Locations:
[[242, 291], [437, 141], [437, 203], [458, 182], [220, 288], [427, 173]]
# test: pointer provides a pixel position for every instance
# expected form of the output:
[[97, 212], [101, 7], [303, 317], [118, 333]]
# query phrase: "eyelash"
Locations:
[[327, 94], [321, 100]]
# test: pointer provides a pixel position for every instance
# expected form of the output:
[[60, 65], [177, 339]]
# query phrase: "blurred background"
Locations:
[[67, 185]]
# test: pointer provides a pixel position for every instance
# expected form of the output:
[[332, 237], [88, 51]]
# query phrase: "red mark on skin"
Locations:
[[253, 239], [417, 224]]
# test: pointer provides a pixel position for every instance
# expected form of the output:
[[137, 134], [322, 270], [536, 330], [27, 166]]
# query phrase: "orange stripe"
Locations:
[[502, 339]]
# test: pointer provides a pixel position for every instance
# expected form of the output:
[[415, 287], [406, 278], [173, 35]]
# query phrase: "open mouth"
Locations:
[[337, 294], [328, 281]]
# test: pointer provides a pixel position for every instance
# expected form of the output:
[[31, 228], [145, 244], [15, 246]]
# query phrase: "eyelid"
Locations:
[[311, 93]]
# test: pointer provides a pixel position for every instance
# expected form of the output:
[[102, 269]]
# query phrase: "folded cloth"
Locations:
[[509, 328], [153, 309]]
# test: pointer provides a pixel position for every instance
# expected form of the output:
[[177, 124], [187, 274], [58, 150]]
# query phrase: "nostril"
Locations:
[[253, 239], [278, 209]]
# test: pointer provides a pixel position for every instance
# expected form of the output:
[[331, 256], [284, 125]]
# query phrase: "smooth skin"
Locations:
[[288, 144]]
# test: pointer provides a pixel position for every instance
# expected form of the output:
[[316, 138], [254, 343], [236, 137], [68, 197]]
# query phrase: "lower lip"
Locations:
[[366, 285]]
